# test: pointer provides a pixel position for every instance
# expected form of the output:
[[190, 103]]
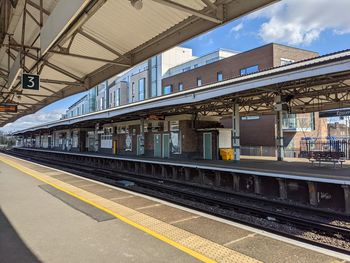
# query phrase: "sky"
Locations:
[[318, 25]]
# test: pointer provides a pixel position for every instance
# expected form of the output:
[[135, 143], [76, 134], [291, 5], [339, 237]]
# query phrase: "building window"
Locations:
[[199, 82], [249, 70], [186, 69], [154, 69], [181, 87], [168, 89], [82, 108], [286, 61], [142, 89], [101, 103], [175, 141], [110, 99], [219, 76], [117, 97]]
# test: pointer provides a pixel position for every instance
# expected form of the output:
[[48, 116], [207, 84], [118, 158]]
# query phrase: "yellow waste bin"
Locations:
[[226, 154]]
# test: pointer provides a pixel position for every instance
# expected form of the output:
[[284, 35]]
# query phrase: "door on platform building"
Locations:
[[140, 145], [157, 145], [166, 145], [207, 146]]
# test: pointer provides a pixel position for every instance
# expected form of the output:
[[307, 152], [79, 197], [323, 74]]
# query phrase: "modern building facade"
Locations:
[[141, 82], [177, 69], [236, 64]]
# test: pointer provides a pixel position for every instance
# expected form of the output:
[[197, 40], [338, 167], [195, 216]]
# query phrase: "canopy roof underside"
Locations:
[[103, 39]]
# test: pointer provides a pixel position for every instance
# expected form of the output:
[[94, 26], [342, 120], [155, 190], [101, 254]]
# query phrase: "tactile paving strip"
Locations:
[[197, 246]]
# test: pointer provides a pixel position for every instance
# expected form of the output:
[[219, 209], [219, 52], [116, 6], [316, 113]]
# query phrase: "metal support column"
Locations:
[[279, 136], [235, 132]]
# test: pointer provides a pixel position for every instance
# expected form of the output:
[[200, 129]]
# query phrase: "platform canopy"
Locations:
[[74, 45]]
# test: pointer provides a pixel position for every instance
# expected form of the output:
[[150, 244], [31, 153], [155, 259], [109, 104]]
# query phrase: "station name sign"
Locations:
[[334, 113], [6, 107]]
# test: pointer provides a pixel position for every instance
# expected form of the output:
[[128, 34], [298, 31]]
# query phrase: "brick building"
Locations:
[[258, 133], [258, 59], [338, 130]]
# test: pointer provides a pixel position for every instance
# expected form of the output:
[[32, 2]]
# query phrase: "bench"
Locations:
[[327, 157]]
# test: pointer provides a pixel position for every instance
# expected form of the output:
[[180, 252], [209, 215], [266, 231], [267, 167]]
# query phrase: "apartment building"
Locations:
[[258, 59]]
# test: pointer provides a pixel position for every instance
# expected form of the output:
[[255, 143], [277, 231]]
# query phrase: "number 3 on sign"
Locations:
[[30, 81]]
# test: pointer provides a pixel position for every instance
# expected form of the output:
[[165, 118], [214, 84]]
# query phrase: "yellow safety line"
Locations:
[[120, 217]]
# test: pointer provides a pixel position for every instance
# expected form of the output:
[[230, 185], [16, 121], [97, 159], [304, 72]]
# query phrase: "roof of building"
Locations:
[[77, 102]]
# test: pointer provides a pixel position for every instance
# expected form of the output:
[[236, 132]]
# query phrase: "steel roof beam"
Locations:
[[60, 82], [38, 7], [53, 66], [210, 4], [98, 42], [90, 58], [189, 10]]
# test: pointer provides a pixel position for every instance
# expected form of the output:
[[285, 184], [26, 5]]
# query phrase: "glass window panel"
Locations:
[[249, 70], [167, 89], [219, 76], [141, 89]]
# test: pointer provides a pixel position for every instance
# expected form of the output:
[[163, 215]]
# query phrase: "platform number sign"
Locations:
[[30, 81]]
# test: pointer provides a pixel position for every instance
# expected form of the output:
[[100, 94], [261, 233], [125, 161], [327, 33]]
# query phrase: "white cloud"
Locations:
[[236, 28], [206, 39], [302, 21], [33, 120]]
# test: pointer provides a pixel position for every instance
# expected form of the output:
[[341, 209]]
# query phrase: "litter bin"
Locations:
[[226, 154]]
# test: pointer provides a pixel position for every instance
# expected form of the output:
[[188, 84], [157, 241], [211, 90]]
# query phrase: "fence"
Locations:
[[268, 151], [341, 146]]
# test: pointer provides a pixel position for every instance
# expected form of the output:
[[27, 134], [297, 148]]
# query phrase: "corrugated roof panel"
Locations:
[[112, 23], [195, 4], [83, 46], [77, 66], [49, 73]]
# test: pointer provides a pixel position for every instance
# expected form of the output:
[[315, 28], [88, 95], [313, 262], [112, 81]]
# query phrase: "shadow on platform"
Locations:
[[12, 247]]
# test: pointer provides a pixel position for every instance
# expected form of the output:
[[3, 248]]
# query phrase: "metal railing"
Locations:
[[340, 146]]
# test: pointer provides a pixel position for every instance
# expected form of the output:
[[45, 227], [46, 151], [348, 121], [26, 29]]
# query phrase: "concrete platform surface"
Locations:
[[292, 168], [38, 227], [53, 216]]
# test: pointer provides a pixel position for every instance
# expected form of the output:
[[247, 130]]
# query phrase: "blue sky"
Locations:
[[310, 24]]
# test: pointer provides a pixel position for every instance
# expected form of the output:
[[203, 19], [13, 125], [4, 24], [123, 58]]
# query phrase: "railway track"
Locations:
[[206, 201]]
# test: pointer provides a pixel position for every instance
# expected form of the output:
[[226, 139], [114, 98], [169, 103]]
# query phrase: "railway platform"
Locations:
[[294, 181], [49, 215]]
